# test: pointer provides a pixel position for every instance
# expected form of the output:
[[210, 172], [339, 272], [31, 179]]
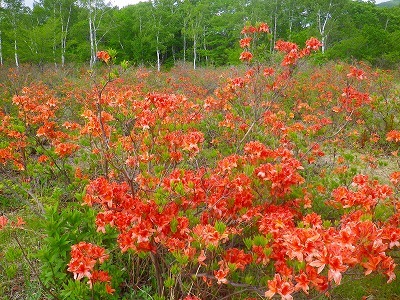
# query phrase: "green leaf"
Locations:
[[169, 282], [173, 225], [220, 227]]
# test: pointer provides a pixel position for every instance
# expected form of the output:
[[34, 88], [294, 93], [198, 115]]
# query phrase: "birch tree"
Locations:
[[57, 14], [185, 8], [163, 13], [325, 13], [1, 33], [14, 12], [97, 13], [65, 9]]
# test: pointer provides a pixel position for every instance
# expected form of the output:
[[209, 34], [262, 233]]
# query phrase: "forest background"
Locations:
[[163, 32]]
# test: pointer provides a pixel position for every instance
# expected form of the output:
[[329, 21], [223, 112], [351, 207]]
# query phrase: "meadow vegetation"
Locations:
[[276, 179]]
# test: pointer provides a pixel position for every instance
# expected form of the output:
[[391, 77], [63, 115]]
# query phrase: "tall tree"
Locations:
[[65, 9], [225, 22], [14, 13], [133, 35], [323, 14], [37, 40], [1, 33], [196, 21], [97, 12], [162, 15]]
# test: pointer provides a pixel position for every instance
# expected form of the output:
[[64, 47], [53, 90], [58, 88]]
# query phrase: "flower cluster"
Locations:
[[103, 56], [245, 43], [84, 257], [393, 136], [292, 51]]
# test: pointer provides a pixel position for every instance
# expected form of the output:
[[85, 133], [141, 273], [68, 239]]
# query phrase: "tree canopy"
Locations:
[[203, 32]]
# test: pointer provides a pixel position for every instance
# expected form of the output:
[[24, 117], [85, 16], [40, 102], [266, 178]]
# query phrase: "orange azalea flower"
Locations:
[[389, 265], [313, 220], [357, 73], [109, 289], [246, 56], [191, 140], [20, 222], [256, 150], [43, 158], [104, 56], [281, 287], [393, 135], [263, 28], [237, 257], [83, 259], [269, 71], [336, 268], [286, 47], [71, 125], [395, 178], [65, 149], [313, 44], [290, 58], [228, 163], [372, 264], [221, 274], [248, 29], [189, 297], [99, 276], [78, 173], [245, 42], [131, 161], [202, 257], [302, 282], [208, 235], [3, 222]]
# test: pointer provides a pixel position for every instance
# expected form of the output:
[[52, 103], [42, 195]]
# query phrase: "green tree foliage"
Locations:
[[162, 32], [369, 33]]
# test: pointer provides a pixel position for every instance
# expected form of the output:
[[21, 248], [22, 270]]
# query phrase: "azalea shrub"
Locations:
[[236, 190]]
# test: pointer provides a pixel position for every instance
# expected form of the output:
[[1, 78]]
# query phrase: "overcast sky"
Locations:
[[122, 3], [119, 3]]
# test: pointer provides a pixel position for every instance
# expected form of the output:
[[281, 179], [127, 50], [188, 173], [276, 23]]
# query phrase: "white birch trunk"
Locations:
[[64, 34], [158, 60], [16, 52], [158, 54], [205, 44], [194, 52], [322, 22], [184, 41], [275, 22], [1, 50], [54, 38], [92, 39]]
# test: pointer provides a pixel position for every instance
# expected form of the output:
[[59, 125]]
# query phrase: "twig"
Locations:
[[247, 132], [158, 273], [234, 284], [39, 213], [33, 268], [328, 137], [239, 292]]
